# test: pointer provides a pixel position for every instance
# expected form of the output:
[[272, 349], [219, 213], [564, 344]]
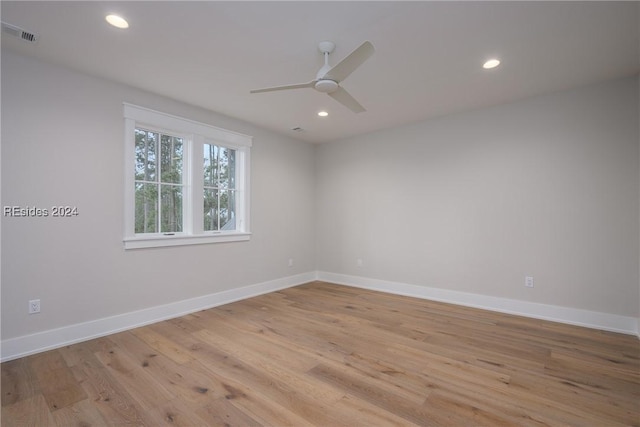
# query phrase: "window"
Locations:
[[186, 182]]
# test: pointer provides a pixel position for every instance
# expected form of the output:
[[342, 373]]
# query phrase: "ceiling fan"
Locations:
[[328, 78]]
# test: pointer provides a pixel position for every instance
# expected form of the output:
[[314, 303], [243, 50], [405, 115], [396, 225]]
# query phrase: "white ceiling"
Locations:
[[428, 59]]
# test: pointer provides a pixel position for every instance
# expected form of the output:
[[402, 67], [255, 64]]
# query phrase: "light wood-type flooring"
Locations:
[[327, 355]]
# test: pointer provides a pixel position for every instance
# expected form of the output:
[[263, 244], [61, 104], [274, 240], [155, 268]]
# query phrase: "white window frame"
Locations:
[[194, 135]]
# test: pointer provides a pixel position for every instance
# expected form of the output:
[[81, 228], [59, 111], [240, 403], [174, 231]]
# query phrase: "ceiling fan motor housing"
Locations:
[[326, 86]]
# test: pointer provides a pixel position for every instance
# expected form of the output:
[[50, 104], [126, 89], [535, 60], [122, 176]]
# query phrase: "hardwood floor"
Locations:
[[327, 355]]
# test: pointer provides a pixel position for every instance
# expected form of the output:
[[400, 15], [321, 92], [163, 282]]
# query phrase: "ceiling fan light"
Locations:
[[491, 63], [117, 21]]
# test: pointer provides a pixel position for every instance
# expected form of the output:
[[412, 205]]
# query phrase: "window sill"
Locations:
[[159, 241]]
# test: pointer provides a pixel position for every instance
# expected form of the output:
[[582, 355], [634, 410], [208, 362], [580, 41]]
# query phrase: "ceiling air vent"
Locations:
[[18, 32]]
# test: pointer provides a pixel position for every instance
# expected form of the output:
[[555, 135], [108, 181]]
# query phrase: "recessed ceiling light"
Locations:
[[117, 21], [323, 113], [492, 63]]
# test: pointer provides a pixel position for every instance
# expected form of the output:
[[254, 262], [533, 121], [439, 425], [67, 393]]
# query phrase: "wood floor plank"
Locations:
[[304, 397], [220, 412], [261, 408], [624, 410], [143, 387], [104, 392], [453, 410], [174, 330], [376, 394], [405, 384], [31, 412], [163, 344], [174, 413], [83, 413], [360, 412], [57, 383], [242, 395], [327, 355], [18, 381], [189, 382], [254, 340]]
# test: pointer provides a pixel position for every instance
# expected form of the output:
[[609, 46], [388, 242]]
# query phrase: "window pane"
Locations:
[[227, 210], [171, 159], [146, 208], [226, 160], [219, 167], [210, 165], [210, 210], [171, 221], [146, 145]]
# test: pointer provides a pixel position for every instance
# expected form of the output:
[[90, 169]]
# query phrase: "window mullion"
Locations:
[[159, 182], [218, 206], [185, 185], [197, 185], [217, 184], [159, 217]]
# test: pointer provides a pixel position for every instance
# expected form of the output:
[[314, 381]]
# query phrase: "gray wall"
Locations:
[[62, 144], [473, 202]]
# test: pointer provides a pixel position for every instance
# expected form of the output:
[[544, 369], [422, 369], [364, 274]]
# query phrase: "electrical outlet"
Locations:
[[359, 262], [290, 262], [528, 281], [34, 306]]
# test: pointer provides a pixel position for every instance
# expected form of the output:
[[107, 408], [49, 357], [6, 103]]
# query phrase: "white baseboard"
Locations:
[[14, 348], [572, 316]]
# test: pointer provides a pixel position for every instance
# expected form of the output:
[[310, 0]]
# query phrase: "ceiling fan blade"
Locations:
[[343, 97], [271, 89], [349, 64]]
